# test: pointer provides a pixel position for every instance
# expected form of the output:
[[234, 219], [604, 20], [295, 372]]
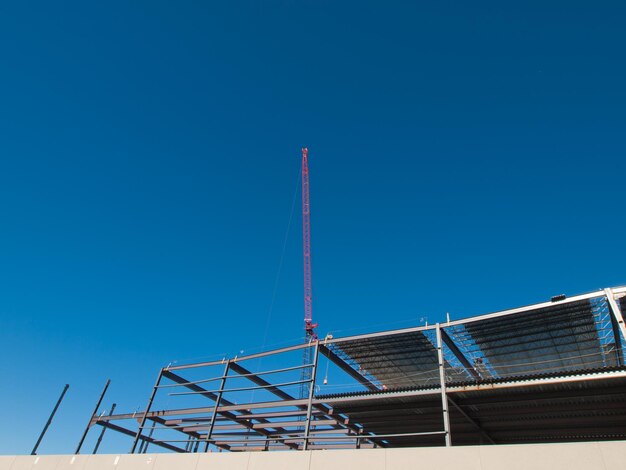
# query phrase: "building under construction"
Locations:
[[449, 394], [544, 373]]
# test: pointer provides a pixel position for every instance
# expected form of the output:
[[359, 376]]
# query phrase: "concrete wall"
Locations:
[[578, 456]]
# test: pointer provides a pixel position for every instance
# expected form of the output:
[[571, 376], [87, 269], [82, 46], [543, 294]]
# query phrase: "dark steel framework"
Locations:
[[549, 372], [47, 425]]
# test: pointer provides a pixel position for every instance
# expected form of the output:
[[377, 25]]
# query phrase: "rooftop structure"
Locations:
[[549, 372]]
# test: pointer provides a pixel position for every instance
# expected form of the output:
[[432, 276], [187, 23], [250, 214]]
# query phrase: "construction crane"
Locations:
[[309, 326]]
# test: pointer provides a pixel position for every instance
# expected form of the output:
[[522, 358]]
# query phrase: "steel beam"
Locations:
[[406, 330], [325, 410], [47, 425], [224, 410], [343, 365], [240, 389], [95, 449], [142, 421], [215, 379], [262, 383], [617, 324], [335, 438], [143, 447], [278, 414], [442, 379], [205, 427], [459, 355], [242, 358], [488, 316], [321, 422], [128, 432], [257, 426], [534, 382], [218, 399], [473, 421], [307, 427], [163, 422], [208, 409], [95, 411]]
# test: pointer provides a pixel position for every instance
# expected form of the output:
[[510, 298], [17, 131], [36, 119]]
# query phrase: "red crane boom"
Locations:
[[309, 326]]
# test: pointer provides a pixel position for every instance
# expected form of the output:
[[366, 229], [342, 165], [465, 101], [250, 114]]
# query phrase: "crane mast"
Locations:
[[309, 326]]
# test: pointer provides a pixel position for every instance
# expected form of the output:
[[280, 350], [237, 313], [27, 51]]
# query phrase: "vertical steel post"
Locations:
[[442, 382], [143, 447], [95, 412], [218, 399], [195, 449], [45, 428], [617, 322], [95, 449], [145, 414], [309, 409]]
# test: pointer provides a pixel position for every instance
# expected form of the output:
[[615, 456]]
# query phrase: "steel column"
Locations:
[[45, 428], [309, 409], [218, 399], [145, 414], [617, 322], [95, 449], [95, 411], [442, 380], [143, 447]]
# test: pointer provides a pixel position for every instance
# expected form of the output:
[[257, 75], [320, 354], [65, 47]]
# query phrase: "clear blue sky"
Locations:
[[465, 157]]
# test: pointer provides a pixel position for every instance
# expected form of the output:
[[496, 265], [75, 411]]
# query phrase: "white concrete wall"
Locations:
[[578, 456]]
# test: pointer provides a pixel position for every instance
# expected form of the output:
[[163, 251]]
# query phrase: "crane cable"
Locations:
[[278, 272]]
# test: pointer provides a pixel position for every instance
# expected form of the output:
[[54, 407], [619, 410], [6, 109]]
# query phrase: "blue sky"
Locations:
[[464, 158]]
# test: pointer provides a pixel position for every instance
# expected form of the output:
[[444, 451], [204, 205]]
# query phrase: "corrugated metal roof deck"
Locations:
[[566, 411], [560, 337], [566, 341], [396, 361]]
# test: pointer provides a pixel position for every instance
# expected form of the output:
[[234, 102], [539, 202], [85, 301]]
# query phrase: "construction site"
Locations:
[[546, 373], [535, 381], [312, 235], [548, 378]]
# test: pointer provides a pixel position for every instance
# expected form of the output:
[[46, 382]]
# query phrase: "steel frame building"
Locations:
[[548, 372]]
